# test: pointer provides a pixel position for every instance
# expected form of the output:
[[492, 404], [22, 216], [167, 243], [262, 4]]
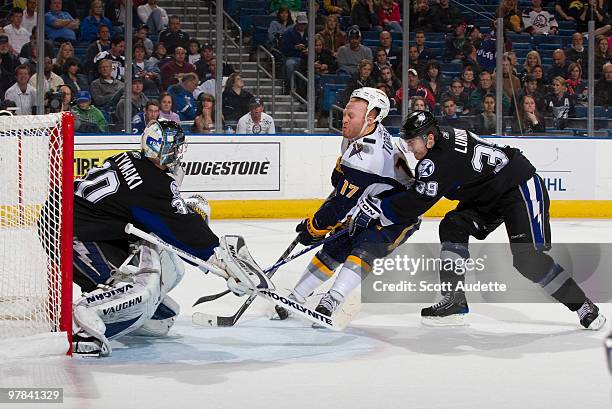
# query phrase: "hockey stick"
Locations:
[[267, 293], [201, 318], [269, 272]]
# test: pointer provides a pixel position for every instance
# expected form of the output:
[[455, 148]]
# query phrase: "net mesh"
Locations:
[[30, 214]]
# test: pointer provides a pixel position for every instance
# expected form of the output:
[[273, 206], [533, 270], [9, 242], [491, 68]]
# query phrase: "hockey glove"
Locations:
[[309, 234], [368, 211], [200, 206]]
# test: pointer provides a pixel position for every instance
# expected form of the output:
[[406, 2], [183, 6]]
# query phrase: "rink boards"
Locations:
[[287, 176]]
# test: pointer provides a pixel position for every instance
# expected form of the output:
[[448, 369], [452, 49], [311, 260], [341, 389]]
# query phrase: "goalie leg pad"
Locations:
[[234, 257], [162, 320]]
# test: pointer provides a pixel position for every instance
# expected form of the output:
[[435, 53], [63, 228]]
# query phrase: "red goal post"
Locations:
[[36, 212]]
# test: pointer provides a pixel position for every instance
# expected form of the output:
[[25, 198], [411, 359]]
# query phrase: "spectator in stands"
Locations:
[[581, 11], [528, 119], [8, 61], [256, 121], [363, 78], [293, 5], [415, 88], [182, 95], [561, 9], [485, 87], [445, 17], [457, 92], [421, 16], [277, 27], [414, 62], [530, 87], [160, 56], [575, 84], [394, 54], [204, 121], [29, 16], [380, 62], [193, 53], [153, 16], [333, 37], [475, 36], [577, 53], [72, 78], [337, 7], [60, 25], [538, 21], [17, 35], [294, 45], [140, 38], [209, 86], [106, 90], [144, 69], [425, 53], [389, 16], [66, 98], [179, 65], [602, 56], [115, 10], [201, 66], [470, 58], [137, 97], [21, 92], [559, 67], [363, 15], [418, 104], [116, 56], [560, 104], [52, 80], [434, 80], [103, 43], [351, 54], [150, 113], [468, 78], [235, 98], [387, 77], [450, 116], [454, 44], [508, 10], [91, 24], [26, 49], [531, 60], [511, 83], [66, 50], [166, 108], [88, 118], [324, 61], [603, 87], [538, 73], [485, 123], [173, 36]]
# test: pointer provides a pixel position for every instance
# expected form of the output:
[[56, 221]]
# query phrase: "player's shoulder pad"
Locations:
[[371, 154]]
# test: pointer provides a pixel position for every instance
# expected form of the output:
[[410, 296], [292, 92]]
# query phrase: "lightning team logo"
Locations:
[[426, 168]]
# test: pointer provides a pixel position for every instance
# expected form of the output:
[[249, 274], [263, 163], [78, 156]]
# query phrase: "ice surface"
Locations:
[[511, 356]]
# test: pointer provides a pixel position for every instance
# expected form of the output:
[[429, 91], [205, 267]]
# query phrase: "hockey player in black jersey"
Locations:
[[125, 282], [493, 185]]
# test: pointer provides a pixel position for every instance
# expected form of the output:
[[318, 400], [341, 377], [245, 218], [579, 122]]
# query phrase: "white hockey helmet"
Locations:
[[376, 99], [165, 141]]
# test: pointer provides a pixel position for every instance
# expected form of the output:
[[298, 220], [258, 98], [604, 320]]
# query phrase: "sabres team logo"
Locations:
[[357, 149], [426, 168]]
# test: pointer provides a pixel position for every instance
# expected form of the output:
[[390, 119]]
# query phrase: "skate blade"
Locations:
[[597, 323], [455, 320]]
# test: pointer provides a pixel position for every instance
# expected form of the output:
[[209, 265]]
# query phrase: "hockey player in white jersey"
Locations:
[[370, 162]]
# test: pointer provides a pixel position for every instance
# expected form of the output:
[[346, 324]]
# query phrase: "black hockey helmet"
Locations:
[[419, 123]]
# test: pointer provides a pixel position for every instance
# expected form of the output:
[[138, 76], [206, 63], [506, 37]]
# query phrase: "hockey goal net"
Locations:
[[36, 179]]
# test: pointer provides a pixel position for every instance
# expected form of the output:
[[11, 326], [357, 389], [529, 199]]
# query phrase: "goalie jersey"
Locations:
[[372, 165], [129, 188]]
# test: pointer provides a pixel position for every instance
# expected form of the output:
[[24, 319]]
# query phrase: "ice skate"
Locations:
[[450, 311], [590, 317]]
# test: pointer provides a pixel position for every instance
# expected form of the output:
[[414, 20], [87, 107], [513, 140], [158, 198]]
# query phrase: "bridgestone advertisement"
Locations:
[[232, 167]]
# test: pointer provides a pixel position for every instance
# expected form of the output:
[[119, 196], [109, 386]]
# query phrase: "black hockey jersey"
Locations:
[[461, 166], [129, 188]]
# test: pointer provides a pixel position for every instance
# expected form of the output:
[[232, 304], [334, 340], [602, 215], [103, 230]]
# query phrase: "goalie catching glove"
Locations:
[[199, 205]]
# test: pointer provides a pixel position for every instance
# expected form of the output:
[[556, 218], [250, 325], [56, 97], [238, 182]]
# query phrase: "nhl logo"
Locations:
[[426, 168]]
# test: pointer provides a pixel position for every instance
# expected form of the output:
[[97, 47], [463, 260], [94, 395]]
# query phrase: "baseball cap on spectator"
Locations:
[[353, 32], [301, 18], [4, 39], [83, 96], [206, 46], [137, 78], [529, 78], [255, 102], [413, 72]]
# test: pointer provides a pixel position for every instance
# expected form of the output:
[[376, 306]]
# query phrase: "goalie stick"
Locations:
[[267, 293]]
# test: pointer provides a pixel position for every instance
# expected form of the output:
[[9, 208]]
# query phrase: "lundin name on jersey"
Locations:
[[227, 168]]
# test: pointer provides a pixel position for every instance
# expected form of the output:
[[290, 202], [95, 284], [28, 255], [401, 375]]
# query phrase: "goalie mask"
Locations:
[[165, 141]]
